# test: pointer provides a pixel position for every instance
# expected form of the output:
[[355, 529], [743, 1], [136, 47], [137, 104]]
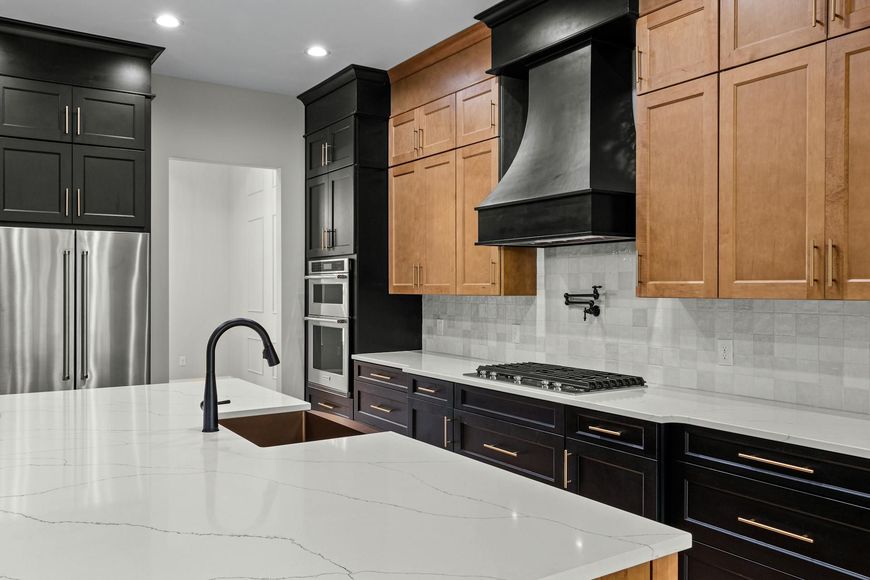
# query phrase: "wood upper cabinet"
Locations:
[[436, 123], [437, 192], [405, 224], [772, 177], [677, 190], [754, 29], [677, 43], [403, 138], [478, 268], [477, 113], [647, 6], [847, 245], [848, 16]]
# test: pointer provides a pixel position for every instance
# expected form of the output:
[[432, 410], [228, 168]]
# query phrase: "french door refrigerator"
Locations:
[[74, 309]]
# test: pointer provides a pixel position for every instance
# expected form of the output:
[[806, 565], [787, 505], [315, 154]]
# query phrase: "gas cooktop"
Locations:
[[556, 378]]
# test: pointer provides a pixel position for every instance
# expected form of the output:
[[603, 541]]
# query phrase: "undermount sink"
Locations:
[[293, 427]]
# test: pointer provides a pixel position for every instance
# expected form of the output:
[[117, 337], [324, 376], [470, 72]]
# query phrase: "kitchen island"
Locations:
[[121, 483]]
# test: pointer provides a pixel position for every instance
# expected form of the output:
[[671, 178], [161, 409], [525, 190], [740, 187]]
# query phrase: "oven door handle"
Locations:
[[326, 277], [326, 319]]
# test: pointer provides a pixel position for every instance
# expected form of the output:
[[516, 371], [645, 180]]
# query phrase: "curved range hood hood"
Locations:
[[572, 180]]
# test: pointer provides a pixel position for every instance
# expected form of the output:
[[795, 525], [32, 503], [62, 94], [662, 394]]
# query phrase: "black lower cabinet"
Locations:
[[706, 563], [110, 187], [431, 423], [35, 181], [381, 407], [330, 403], [619, 479]]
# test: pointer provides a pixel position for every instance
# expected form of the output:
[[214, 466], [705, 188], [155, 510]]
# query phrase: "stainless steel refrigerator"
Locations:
[[74, 309]]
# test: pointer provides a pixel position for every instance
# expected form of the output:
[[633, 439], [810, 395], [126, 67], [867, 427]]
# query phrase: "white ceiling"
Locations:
[[260, 44]]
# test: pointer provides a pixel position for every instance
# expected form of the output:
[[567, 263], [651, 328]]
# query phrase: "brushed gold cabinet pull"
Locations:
[[416, 140], [815, 12], [427, 390], [446, 440], [752, 522], [775, 463], [497, 449], [326, 405], [610, 432], [66, 120], [639, 278], [422, 146], [78, 120], [79, 201], [829, 263], [565, 481], [833, 9], [380, 376], [812, 263], [381, 409], [638, 78], [66, 203], [492, 114], [493, 273]]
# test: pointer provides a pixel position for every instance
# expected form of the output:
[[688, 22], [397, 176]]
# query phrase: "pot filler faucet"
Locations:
[[210, 402]]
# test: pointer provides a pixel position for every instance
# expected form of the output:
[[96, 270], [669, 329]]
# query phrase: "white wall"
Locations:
[[207, 122]]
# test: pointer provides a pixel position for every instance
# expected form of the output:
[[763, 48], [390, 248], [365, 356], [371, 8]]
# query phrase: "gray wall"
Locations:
[[810, 352], [207, 122]]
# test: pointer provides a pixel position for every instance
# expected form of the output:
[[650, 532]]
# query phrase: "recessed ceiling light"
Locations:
[[316, 50], [168, 21]]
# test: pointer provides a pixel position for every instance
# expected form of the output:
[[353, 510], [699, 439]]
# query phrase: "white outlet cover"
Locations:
[[515, 333], [725, 352], [182, 361], [439, 327]]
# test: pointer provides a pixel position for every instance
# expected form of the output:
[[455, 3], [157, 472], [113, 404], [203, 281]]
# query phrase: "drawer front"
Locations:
[[534, 454], [706, 563], [795, 532], [633, 435], [432, 390], [432, 424], [383, 376], [380, 407], [827, 474], [524, 411], [329, 403]]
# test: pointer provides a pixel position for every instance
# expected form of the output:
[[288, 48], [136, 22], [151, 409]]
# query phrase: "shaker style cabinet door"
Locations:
[[677, 191], [109, 118], [317, 206], [35, 181], [750, 30], [110, 187], [677, 43], [436, 123], [404, 136], [847, 245], [438, 204], [848, 16], [35, 110], [772, 177], [315, 153], [341, 193], [339, 150], [405, 229], [477, 113]]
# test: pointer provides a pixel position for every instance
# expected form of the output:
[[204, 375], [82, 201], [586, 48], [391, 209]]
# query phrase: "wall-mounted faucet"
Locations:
[[585, 299], [210, 402]]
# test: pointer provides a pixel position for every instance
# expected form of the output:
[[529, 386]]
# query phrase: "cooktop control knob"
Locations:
[[557, 386], [545, 384], [482, 373], [518, 379], [493, 375]]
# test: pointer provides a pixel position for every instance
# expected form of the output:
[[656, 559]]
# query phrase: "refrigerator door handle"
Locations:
[[65, 375], [84, 316]]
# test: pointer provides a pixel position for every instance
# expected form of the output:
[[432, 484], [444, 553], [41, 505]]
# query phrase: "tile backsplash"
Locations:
[[799, 351]]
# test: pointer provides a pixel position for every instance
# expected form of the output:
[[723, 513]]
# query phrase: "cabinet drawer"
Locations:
[[380, 407], [795, 532], [432, 424], [615, 431], [432, 390], [706, 563], [329, 403], [524, 411], [529, 452], [829, 474], [384, 376]]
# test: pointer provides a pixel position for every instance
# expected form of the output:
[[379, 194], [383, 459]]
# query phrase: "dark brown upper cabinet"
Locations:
[[330, 149], [35, 109], [330, 203], [110, 187], [35, 181], [109, 118]]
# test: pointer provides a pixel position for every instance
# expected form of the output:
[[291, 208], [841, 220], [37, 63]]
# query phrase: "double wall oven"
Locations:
[[328, 318]]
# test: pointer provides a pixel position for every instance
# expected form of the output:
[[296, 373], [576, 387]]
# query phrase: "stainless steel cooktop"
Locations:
[[557, 378]]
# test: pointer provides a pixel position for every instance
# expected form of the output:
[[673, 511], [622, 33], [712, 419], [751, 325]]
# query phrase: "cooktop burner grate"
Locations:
[[557, 378]]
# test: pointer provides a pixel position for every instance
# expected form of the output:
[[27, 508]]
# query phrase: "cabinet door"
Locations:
[[339, 150], [622, 480], [848, 16], [754, 29], [406, 213], [315, 153], [403, 138], [431, 423], [436, 123], [35, 181], [109, 118], [478, 268], [319, 218], [477, 113], [110, 187], [35, 110], [340, 230], [847, 247], [677, 43], [677, 191], [772, 177], [437, 273]]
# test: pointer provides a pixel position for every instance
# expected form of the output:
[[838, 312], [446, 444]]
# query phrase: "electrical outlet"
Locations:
[[182, 361], [515, 333], [439, 327], [725, 353]]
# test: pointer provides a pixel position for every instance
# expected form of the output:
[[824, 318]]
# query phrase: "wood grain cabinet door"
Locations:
[[678, 190], [477, 113], [754, 29], [677, 43], [772, 177], [436, 123], [847, 245], [848, 16], [405, 219], [438, 225], [403, 138], [478, 268]]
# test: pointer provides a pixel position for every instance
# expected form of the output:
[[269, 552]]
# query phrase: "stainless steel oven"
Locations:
[[329, 288], [329, 353]]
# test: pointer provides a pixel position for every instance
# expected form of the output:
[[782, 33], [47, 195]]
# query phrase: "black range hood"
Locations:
[[572, 178]]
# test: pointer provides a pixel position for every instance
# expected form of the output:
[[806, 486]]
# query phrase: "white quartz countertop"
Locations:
[[121, 483], [835, 431]]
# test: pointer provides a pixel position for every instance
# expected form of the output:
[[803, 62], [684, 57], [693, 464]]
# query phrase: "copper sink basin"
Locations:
[[293, 427]]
